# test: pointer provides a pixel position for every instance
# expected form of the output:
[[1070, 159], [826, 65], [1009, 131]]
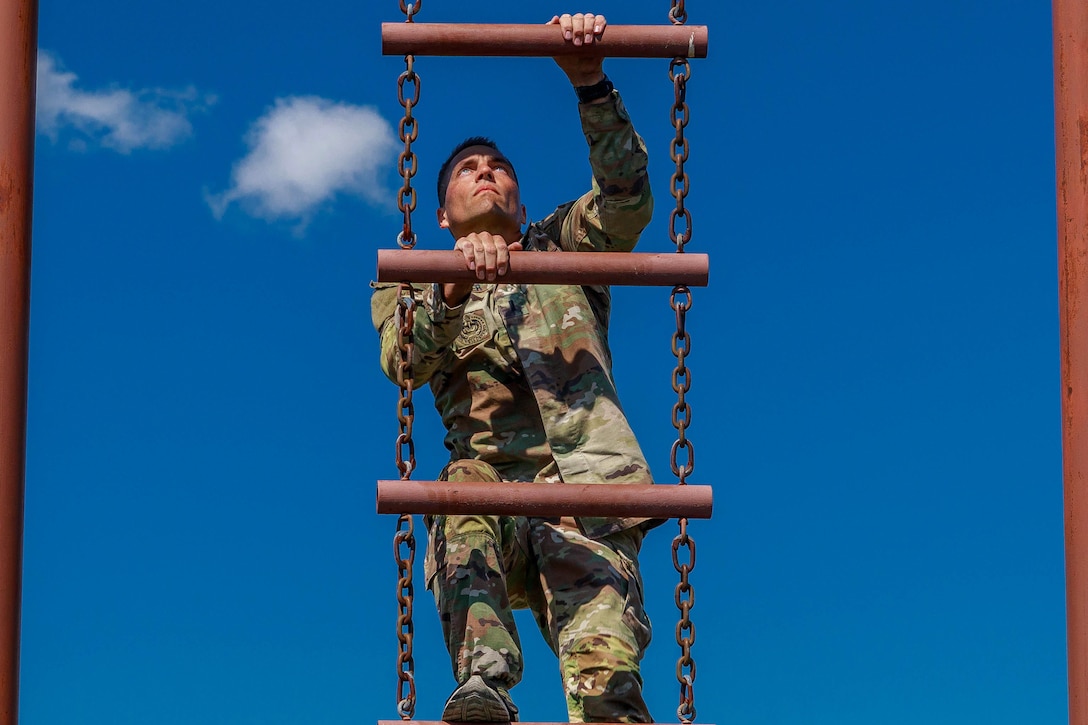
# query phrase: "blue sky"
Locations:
[[875, 364]]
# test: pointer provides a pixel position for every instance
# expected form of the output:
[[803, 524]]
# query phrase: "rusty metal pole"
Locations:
[[511, 40], [18, 67], [545, 499], [1071, 135], [594, 268]]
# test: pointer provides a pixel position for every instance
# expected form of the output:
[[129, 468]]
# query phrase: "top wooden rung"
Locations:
[[504, 39]]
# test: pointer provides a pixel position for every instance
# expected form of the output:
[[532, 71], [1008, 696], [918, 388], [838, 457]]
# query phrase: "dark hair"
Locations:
[[444, 172]]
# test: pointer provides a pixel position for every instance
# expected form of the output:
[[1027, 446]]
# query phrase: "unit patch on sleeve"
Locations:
[[474, 330]]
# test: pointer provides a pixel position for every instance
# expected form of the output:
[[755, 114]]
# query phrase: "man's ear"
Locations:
[[524, 215], [443, 222]]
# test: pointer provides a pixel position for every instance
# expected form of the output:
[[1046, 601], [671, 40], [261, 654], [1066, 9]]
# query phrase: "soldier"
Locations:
[[521, 375]]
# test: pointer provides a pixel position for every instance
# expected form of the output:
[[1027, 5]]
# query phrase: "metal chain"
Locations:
[[404, 540], [685, 592], [404, 318], [681, 384], [679, 73], [409, 131], [407, 162], [685, 628]]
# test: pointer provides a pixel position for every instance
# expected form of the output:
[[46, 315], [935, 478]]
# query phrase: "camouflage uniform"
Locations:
[[521, 375]]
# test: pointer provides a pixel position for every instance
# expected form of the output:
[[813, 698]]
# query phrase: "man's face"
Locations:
[[482, 194]]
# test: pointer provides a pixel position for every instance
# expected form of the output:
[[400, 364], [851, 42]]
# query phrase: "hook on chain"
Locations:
[[677, 14], [410, 9]]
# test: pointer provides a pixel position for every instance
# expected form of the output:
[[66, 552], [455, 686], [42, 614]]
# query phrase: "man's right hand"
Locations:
[[485, 253], [582, 29]]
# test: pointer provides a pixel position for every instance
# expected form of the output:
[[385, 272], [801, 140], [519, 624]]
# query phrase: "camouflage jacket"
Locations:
[[522, 374]]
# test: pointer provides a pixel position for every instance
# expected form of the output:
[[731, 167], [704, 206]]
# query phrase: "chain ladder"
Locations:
[[404, 541], [683, 546]]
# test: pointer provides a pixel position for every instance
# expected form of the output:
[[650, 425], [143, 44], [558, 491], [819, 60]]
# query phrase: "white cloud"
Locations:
[[304, 152], [117, 118]]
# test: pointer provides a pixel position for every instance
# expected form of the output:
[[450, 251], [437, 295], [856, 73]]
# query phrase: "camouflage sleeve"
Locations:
[[611, 217], [436, 327]]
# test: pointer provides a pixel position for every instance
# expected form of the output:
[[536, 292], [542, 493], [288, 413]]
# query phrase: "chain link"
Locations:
[[405, 541]]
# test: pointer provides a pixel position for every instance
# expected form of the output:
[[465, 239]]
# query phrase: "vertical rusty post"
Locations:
[[18, 67], [1071, 135]]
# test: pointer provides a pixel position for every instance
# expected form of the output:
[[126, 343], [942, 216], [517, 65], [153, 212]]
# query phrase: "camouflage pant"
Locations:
[[585, 594]]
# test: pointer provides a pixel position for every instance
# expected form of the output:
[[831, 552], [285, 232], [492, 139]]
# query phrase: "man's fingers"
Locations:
[[491, 257], [471, 248], [566, 23], [479, 248], [470, 255], [504, 256], [486, 254], [589, 27], [578, 27]]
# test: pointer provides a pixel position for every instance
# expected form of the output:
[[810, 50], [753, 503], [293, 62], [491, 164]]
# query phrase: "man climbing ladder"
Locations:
[[521, 375]]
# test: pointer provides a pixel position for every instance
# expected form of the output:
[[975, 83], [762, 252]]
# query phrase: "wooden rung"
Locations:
[[545, 499], [582, 268], [507, 39]]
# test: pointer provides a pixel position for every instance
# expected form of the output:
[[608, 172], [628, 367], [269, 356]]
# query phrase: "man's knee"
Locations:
[[603, 683], [462, 545], [457, 538], [454, 537], [619, 699], [469, 469]]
